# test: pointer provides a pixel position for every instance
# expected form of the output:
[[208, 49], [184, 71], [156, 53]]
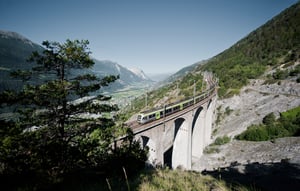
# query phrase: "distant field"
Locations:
[[123, 97]]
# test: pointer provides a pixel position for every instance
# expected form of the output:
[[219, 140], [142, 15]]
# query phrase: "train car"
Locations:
[[154, 114], [151, 115]]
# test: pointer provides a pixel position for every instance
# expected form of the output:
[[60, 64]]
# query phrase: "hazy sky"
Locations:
[[158, 36]]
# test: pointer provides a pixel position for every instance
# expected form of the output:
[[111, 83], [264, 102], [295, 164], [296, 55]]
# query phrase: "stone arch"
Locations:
[[181, 145], [198, 133], [178, 123], [209, 120], [168, 157], [209, 103], [196, 115], [152, 154]]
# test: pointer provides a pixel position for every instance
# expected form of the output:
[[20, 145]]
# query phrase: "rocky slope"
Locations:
[[254, 102]]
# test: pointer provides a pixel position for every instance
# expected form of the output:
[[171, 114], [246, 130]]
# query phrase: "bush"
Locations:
[[222, 140], [254, 133], [287, 125], [210, 150], [277, 131], [269, 119], [280, 74]]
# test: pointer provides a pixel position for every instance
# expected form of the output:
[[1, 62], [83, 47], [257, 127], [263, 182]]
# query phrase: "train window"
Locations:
[[176, 108], [151, 116], [161, 113], [168, 110]]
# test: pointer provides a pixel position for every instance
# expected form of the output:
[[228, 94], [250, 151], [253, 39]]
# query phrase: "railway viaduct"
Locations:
[[177, 139]]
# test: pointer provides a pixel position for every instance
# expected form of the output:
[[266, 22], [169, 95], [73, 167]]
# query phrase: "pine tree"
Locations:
[[49, 135]]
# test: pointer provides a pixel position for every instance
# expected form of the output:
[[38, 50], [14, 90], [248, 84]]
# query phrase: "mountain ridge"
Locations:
[[272, 44], [15, 50], [15, 35], [139, 73]]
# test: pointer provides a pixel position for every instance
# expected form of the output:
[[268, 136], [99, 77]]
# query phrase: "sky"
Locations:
[[157, 36]]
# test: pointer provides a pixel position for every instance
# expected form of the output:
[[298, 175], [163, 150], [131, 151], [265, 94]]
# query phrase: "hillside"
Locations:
[[182, 72], [275, 43], [127, 79], [15, 50], [258, 75], [271, 52]]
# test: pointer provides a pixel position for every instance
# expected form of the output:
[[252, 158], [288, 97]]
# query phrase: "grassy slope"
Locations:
[[153, 180], [274, 43]]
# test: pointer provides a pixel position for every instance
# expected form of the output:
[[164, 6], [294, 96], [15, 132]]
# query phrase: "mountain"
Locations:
[[15, 50], [184, 71], [127, 77], [159, 77], [274, 44], [140, 73], [271, 53]]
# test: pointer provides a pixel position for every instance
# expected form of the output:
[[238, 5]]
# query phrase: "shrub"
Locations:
[[222, 140], [287, 125], [269, 119], [210, 150], [280, 74], [254, 133]]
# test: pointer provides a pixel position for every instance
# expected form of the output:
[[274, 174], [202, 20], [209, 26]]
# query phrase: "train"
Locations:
[[158, 113]]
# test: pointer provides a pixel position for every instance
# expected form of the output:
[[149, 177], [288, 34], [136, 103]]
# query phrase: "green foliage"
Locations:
[[228, 111], [291, 114], [188, 82], [269, 119], [287, 125], [280, 74], [254, 133], [295, 71], [211, 149], [177, 180], [150, 180], [222, 140], [49, 139]]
